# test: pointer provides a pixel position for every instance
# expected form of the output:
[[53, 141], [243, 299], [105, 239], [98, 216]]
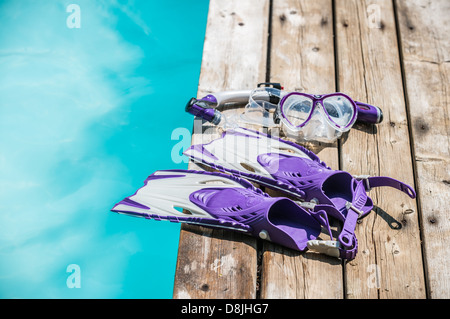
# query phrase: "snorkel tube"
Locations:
[[205, 107]]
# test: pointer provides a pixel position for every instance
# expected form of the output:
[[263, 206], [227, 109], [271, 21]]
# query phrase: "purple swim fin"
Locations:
[[288, 167], [223, 201]]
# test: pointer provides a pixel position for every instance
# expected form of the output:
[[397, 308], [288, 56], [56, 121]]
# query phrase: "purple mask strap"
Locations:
[[368, 113]]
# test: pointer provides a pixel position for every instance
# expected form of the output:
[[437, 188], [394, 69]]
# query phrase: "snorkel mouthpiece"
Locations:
[[204, 108]]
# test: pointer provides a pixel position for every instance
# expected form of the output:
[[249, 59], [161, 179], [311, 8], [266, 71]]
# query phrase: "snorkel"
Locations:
[[206, 107], [264, 107]]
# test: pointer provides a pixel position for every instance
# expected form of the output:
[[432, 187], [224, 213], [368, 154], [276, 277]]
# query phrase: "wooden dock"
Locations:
[[391, 53]]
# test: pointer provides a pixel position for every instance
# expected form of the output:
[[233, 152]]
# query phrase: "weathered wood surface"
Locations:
[[302, 59], [424, 33], [369, 71], [393, 54], [218, 263]]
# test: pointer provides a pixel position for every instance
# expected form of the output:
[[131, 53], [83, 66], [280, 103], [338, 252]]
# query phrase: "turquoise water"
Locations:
[[90, 97]]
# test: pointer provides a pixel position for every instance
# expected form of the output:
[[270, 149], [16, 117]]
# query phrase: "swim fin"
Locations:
[[294, 170], [223, 201]]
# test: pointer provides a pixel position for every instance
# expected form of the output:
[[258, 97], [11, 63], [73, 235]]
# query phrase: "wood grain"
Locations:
[[389, 264], [219, 263], [391, 53], [302, 59], [424, 31]]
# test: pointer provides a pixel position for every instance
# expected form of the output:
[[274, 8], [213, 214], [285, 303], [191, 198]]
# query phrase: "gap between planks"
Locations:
[[268, 77]]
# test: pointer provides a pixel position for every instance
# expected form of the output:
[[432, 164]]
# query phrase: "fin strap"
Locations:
[[346, 247], [350, 254], [348, 230], [334, 248], [378, 181]]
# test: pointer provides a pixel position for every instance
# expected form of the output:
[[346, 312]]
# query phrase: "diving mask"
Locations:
[[316, 117], [308, 117]]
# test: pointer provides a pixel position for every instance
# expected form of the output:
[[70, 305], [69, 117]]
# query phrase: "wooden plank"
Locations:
[[219, 263], [302, 59], [424, 33], [389, 263]]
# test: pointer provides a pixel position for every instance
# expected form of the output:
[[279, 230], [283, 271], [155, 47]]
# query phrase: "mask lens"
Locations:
[[340, 109], [296, 109]]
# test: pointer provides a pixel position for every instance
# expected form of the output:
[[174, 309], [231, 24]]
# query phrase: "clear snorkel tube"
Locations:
[[206, 107], [262, 106]]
